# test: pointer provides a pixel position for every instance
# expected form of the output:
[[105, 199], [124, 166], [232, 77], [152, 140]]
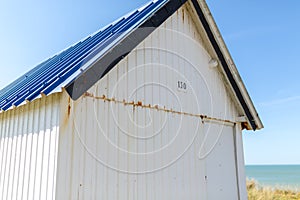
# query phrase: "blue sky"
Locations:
[[262, 36]]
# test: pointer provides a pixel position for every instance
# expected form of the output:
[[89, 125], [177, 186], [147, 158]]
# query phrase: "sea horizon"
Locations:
[[286, 176]]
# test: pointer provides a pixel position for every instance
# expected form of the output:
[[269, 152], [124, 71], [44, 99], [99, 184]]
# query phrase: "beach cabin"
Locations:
[[149, 107]]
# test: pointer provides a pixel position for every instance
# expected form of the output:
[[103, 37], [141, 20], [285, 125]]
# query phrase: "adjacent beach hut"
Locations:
[[149, 107]]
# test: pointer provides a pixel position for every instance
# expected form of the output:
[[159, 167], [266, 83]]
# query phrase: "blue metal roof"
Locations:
[[61, 70]]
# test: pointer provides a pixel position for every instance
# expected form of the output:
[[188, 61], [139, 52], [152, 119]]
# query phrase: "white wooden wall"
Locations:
[[136, 135], [28, 150]]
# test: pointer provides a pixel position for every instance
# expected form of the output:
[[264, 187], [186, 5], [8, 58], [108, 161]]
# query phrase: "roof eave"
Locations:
[[231, 73]]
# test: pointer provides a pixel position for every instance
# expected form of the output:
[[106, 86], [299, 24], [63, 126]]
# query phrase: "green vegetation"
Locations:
[[256, 192]]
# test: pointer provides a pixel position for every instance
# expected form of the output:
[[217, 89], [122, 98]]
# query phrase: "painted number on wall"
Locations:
[[182, 86]]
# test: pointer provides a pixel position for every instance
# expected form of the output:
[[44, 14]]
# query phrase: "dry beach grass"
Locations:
[[256, 192]]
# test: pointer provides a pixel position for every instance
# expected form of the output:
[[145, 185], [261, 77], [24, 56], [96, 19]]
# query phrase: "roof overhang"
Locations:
[[253, 122]]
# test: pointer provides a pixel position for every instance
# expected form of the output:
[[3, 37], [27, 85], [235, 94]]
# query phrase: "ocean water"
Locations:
[[279, 176]]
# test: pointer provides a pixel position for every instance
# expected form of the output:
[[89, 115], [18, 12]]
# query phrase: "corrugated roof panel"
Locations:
[[47, 76]]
